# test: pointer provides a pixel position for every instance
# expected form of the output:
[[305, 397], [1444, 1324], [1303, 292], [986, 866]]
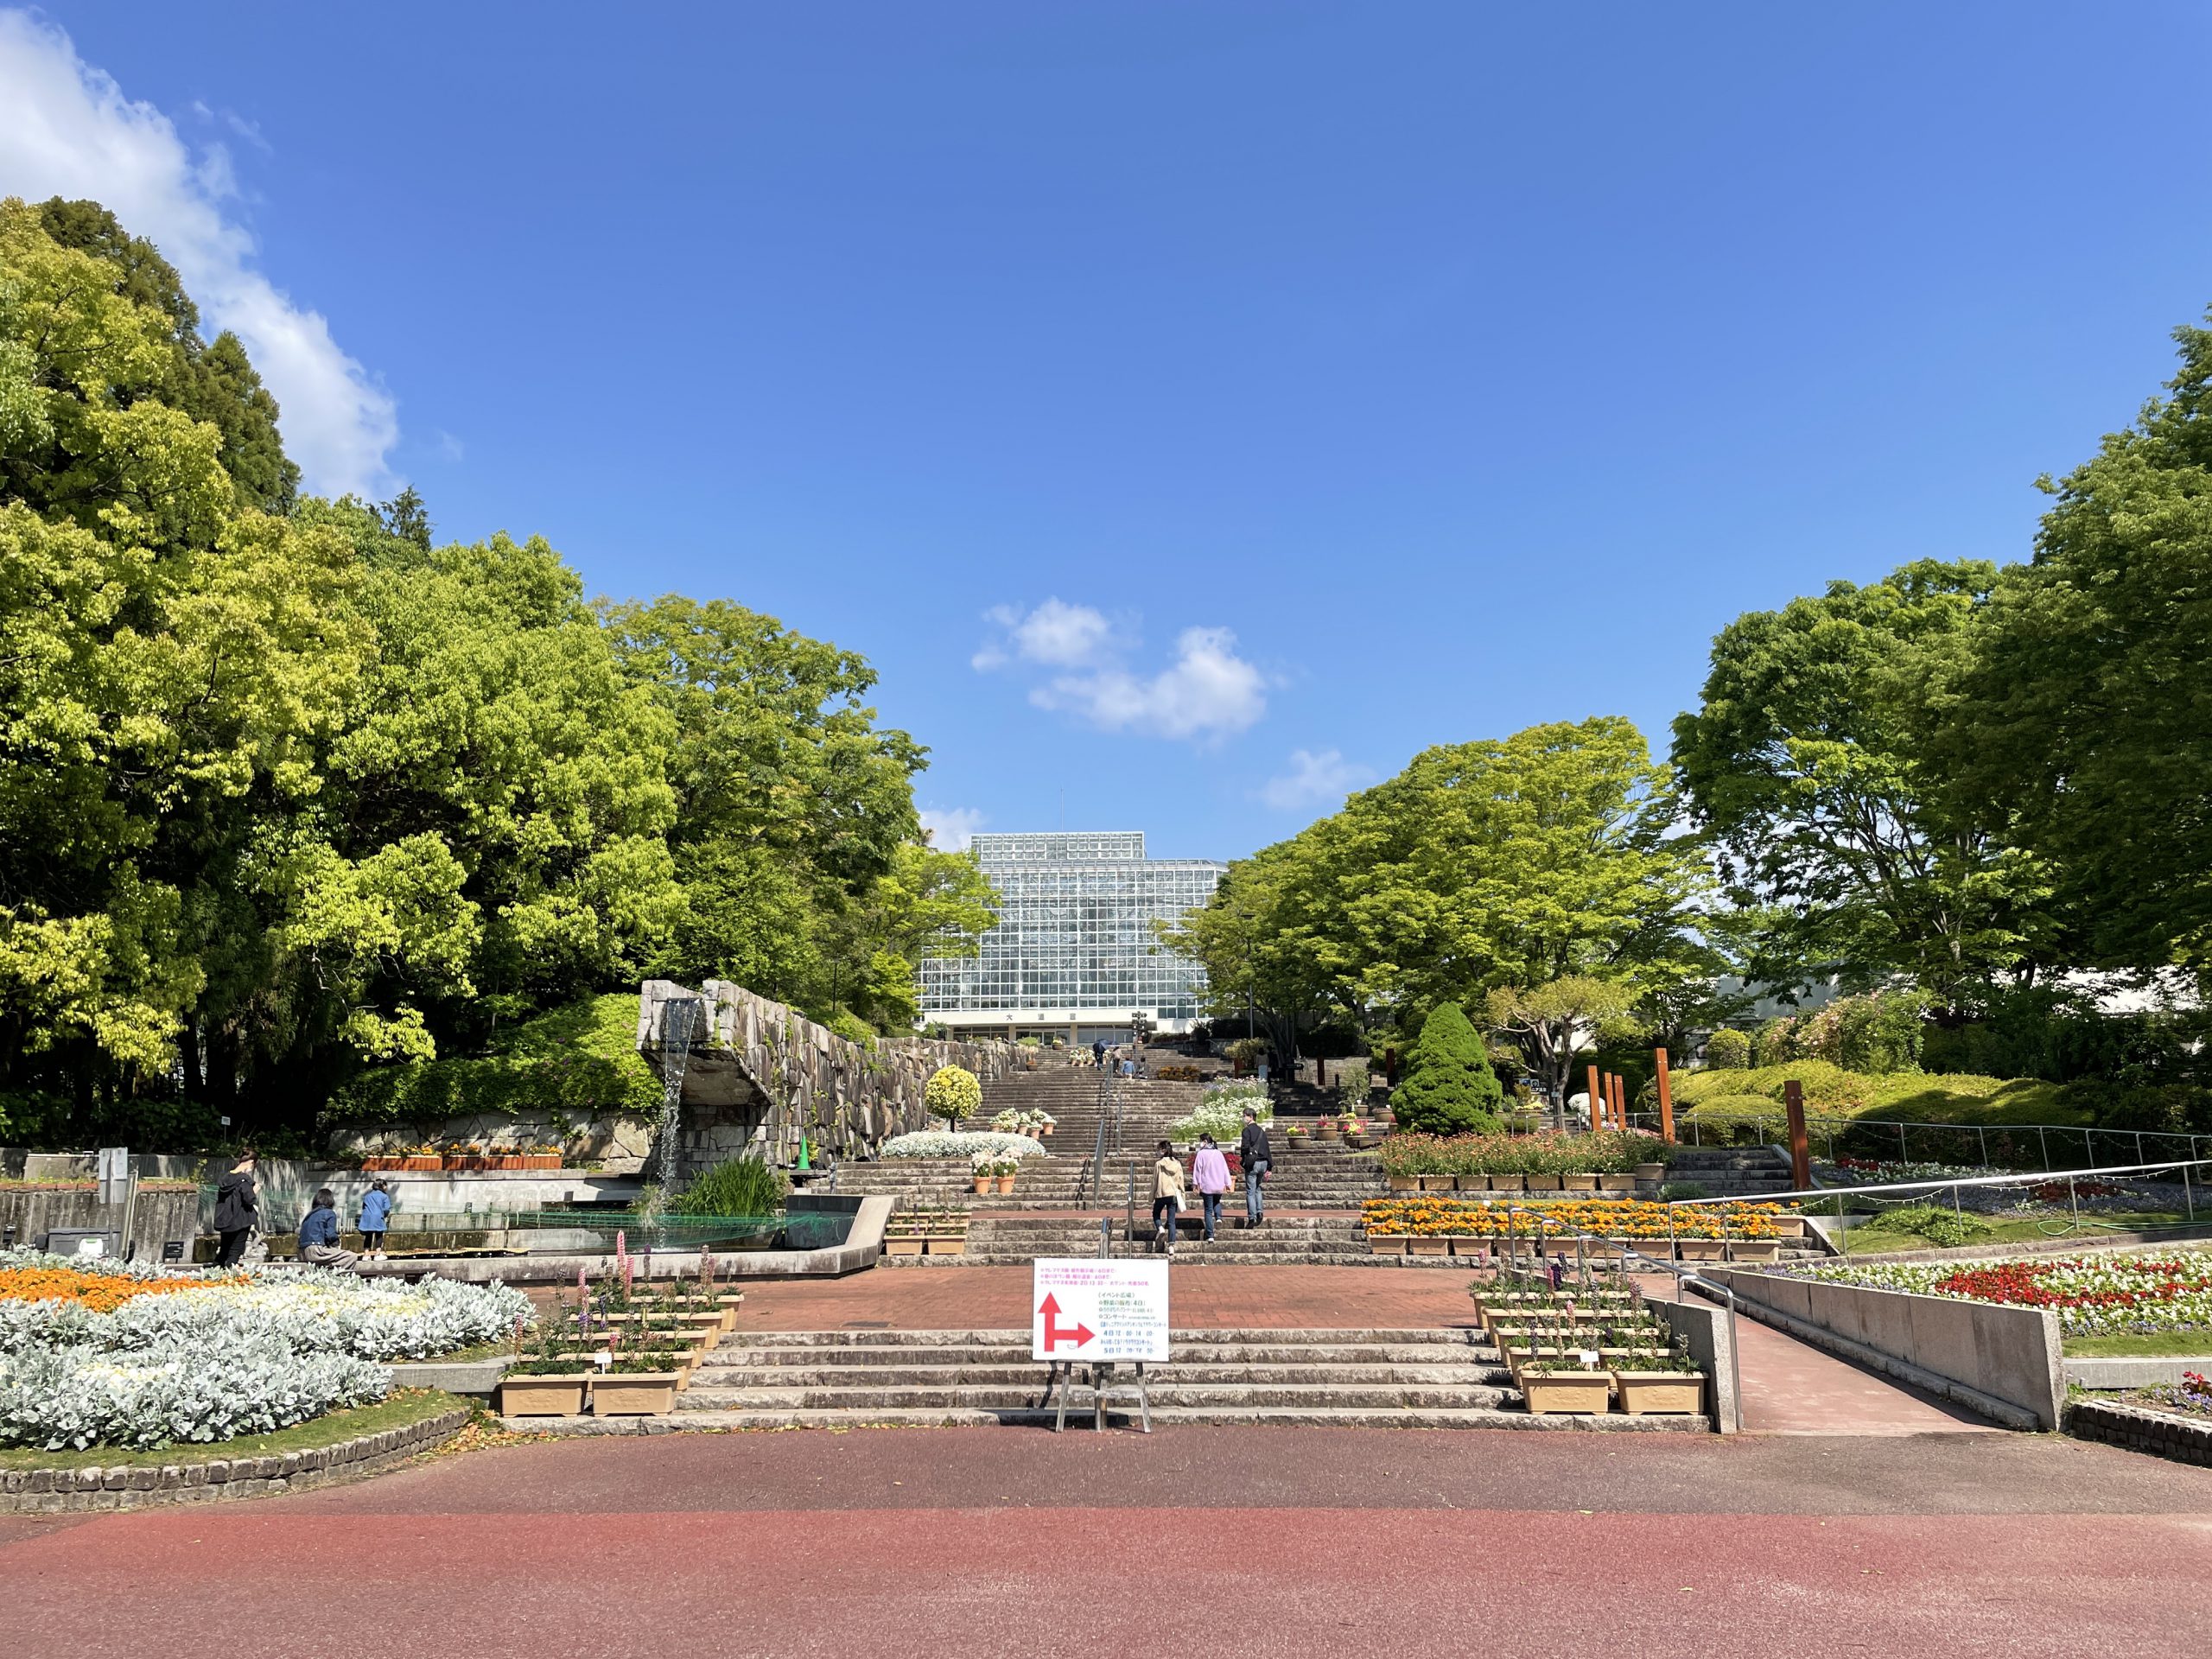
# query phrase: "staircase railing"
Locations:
[[1092, 1188]]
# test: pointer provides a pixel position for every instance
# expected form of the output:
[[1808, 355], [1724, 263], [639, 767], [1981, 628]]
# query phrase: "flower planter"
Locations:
[[1468, 1244], [1506, 1182], [1565, 1391], [1700, 1250], [1045, 1131], [949, 1246], [1616, 1182], [1541, 1183], [1471, 1183], [1578, 1183], [1660, 1393], [984, 1183], [1006, 1183], [1405, 1182], [1430, 1244], [1436, 1183], [1754, 1249], [1790, 1227], [560, 1396], [901, 1246], [1651, 1172], [1387, 1243], [421, 1162], [634, 1393]]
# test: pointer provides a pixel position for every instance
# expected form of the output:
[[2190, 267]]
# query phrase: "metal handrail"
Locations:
[[1829, 1126], [1093, 1184]]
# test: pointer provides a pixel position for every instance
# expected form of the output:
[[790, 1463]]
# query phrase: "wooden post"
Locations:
[[1597, 1103], [1800, 1154], [1620, 1101], [1666, 1099]]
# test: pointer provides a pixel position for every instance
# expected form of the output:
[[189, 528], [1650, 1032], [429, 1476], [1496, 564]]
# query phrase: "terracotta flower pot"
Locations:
[[983, 1182], [1006, 1184]]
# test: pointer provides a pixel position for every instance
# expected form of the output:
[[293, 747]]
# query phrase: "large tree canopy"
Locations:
[[1508, 863], [288, 789], [1809, 768], [2083, 730]]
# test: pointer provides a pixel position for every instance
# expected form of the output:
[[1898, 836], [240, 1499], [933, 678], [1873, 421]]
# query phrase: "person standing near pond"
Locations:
[[376, 1216], [237, 1211]]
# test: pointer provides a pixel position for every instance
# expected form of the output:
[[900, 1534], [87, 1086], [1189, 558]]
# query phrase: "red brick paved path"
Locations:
[[1259, 1542]]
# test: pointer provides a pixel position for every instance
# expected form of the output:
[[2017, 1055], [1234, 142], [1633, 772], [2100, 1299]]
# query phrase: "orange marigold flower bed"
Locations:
[[103, 1292]]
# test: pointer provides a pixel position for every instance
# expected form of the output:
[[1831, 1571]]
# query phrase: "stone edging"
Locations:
[[73, 1491], [2162, 1435]]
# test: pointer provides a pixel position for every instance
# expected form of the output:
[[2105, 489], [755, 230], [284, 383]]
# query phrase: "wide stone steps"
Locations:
[[1117, 1416], [1030, 1395]]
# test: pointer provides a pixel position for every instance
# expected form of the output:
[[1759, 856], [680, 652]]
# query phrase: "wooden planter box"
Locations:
[[634, 1393], [948, 1245], [1660, 1393], [1578, 1183], [1569, 1391], [561, 1395], [901, 1246], [1434, 1245], [1541, 1183], [1754, 1249], [1387, 1243], [1616, 1182], [1507, 1182]]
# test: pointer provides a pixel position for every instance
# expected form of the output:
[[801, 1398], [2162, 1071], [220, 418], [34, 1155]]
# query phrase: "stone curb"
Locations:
[[2161, 1434], [76, 1491]]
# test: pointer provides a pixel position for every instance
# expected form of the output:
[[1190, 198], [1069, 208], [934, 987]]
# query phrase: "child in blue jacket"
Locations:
[[376, 1216]]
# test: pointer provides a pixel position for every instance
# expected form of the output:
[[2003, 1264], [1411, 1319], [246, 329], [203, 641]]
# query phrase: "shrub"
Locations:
[[744, 1185], [1728, 1050], [952, 1093], [1355, 1085], [1449, 1087], [1674, 1190], [2166, 1108], [1221, 1116], [1775, 1043], [1947, 1229], [1178, 1074], [579, 1058]]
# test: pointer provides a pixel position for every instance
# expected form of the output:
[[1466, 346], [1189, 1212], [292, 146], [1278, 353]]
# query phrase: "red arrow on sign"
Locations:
[[1055, 1332]]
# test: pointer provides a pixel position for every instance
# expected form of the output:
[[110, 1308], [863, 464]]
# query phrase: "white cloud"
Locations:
[[1056, 634], [1314, 780], [65, 129], [1208, 692], [951, 828]]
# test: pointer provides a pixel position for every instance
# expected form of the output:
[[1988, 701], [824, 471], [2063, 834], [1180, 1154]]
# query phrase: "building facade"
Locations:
[[1075, 953]]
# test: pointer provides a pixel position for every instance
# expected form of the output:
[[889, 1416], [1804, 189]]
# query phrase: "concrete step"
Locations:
[[1117, 1416], [1164, 1392]]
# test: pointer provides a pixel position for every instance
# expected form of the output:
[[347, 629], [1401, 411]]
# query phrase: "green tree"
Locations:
[[213, 382], [2083, 731], [1449, 1087], [1553, 1024], [1808, 769]]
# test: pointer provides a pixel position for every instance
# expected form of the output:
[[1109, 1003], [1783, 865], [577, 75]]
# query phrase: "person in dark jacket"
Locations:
[[237, 1211], [319, 1245], [1252, 1150]]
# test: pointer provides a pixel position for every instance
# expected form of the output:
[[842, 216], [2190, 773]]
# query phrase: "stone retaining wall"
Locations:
[[764, 1075], [71, 1492], [2185, 1440]]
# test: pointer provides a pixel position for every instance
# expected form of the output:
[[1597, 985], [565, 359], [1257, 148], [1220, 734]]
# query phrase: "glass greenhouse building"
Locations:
[[1074, 953]]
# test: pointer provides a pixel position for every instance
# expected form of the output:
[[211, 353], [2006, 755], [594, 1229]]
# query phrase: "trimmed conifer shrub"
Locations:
[[1449, 1087]]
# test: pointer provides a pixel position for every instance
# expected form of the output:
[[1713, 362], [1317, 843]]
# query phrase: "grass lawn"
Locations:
[[2143, 1344], [1876, 1239], [403, 1407], [499, 1349]]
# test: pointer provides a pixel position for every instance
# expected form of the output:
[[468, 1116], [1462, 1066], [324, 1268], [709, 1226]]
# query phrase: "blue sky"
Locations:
[[1190, 409]]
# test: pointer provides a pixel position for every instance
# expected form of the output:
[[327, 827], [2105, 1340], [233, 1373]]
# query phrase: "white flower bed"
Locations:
[[240, 1354], [1222, 1116], [937, 1143]]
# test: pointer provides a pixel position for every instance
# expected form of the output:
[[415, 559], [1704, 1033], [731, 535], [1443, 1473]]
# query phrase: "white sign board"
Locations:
[[1091, 1308]]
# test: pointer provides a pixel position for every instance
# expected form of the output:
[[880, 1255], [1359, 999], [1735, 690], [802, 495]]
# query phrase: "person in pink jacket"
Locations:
[[1210, 1174]]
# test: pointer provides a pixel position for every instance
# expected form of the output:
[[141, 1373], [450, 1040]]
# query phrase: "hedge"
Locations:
[[581, 1058]]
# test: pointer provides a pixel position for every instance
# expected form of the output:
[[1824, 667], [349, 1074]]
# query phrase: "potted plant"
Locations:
[[983, 1167], [1045, 1123], [636, 1381], [1653, 1382], [545, 1380], [1558, 1385]]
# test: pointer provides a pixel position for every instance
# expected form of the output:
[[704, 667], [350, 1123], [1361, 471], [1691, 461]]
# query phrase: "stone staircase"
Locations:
[[1731, 1172], [1003, 1241], [1432, 1378]]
